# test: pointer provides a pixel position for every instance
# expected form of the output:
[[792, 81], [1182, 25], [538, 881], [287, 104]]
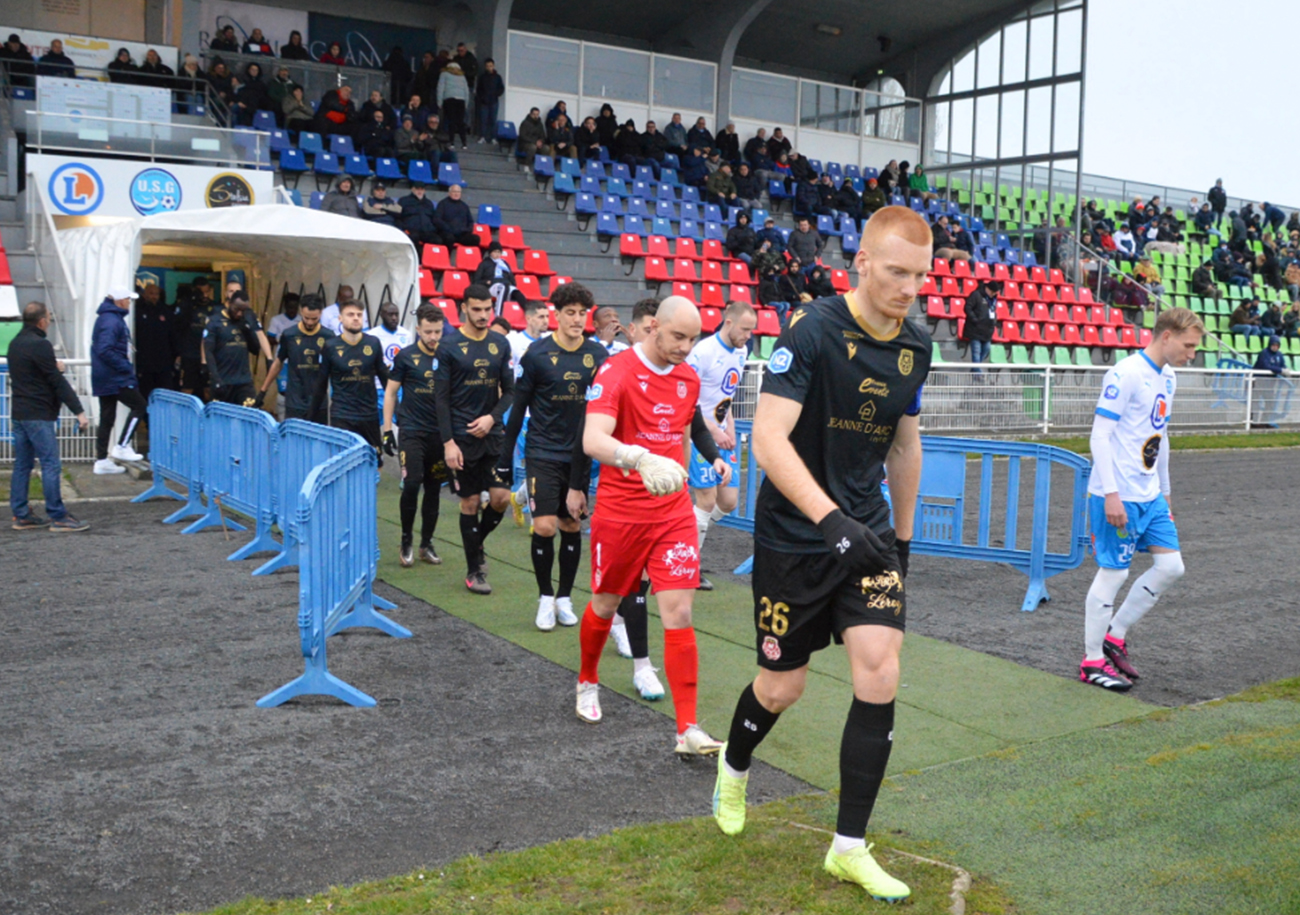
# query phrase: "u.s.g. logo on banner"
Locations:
[[155, 190], [76, 189]]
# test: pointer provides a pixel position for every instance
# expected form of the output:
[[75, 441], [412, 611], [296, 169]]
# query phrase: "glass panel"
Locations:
[[963, 74], [1040, 120], [962, 113], [1013, 124], [684, 84], [1069, 38], [763, 96], [1013, 67], [616, 74], [986, 127], [1040, 47], [1067, 116], [988, 61], [827, 107], [538, 62]]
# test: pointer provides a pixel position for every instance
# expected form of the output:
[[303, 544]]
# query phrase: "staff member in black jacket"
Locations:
[[36, 389], [158, 333], [981, 320]]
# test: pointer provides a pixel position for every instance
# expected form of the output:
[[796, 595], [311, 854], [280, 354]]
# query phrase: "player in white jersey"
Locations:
[[329, 318], [393, 337], [537, 326], [719, 360], [1128, 495]]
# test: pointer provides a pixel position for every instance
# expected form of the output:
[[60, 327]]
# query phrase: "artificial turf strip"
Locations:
[[688, 866], [1186, 442], [940, 717]]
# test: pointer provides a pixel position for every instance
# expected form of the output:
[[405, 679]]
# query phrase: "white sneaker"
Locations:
[[648, 685], [564, 611], [589, 702], [694, 742], [106, 466], [124, 453], [545, 613], [618, 632], [481, 141]]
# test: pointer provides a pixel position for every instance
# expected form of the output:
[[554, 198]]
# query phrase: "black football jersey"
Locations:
[[473, 379], [195, 314], [854, 388], [350, 371], [414, 368], [226, 345], [553, 389], [301, 353]]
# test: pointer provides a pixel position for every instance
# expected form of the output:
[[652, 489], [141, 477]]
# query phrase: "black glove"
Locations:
[[390, 443], [219, 392], [259, 399], [854, 544], [505, 472], [904, 548]]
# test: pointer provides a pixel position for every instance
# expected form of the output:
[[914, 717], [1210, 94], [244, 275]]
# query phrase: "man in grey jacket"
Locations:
[[806, 244]]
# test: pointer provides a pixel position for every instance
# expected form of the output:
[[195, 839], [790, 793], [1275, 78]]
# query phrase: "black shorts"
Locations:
[[420, 457], [548, 488], [194, 375], [366, 428], [240, 395], [320, 417], [802, 600], [477, 475]]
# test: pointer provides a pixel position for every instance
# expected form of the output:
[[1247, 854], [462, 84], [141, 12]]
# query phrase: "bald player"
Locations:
[[838, 412], [639, 414]]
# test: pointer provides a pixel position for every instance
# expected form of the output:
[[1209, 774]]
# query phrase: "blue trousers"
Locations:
[[35, 440]]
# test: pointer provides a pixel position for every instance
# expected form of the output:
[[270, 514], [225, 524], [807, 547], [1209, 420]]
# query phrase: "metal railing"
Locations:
[[181, 143], [74, 445], [315, 78], [52, 272]]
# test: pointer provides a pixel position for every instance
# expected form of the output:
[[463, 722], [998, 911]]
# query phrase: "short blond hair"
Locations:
[[1178, 321]]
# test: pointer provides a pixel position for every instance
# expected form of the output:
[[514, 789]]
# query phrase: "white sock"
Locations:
[[702, 519], [844, 844], [1098, 609], [717, 514], [734, 773], [618, 620], [639, 664], [1166, 568]]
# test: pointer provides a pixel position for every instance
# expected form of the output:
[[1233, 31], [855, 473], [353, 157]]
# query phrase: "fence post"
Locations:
[[1047, 398], [1250, 398], [175, 449]]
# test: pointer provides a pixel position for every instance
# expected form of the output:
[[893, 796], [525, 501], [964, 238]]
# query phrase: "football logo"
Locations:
[[229, 190], [367, 350], [155, 190], [853, 351], [905, 362], [730, 382], [771, 648], [781, 361], [76, 189], [588, 361], [492, 348]]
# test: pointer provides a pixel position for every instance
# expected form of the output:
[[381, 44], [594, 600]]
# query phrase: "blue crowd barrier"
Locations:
[[300, 446], [336, 518], [943, 505], [238, 472], [175, 451]]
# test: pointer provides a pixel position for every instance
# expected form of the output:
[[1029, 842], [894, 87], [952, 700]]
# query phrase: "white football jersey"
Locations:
[[720, 368], [519, 343], [1140, 398], [393, 341]]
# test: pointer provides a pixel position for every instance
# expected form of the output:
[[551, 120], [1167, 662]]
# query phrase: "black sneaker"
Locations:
[[32, 522], [429, 554], [69, 524], [1116, 652], [477, 582], [406, 556], [704, 585]]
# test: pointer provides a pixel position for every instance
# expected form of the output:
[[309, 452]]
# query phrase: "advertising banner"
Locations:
[[90, 54], [366, 43], [275, 23], [87, 186]]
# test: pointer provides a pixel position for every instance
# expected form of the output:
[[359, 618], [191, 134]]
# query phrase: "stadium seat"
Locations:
[[341, 145], [538, 264], [636, 207], [712, 250], [293, 162], [634, 225], [685, 247], [529, 286], [279, 141], [769, 325], [419, 172], [506, 132], [454, 284], [689, 228], [449, 311], [607, 226], [489, 214], [427, 287], [740, 294], [485, 237], [264, 121], [629, 247], [326, 167], [512, 312], [468, 257], [738, 274], [513, 237], [711, 272], [684, 269], [714, 231], [711, 295], [840, 281], [611, 203], [315, 200], [449, 174], [357, 166], [310, 142], [710, 318], [435, 257], [388, 170], [563, 188], [656, 271], [594, 170], [570, 166], [657, 246]]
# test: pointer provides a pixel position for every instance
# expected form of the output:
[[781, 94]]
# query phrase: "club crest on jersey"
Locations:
[[588, 361], [1111, 392], [492, 348], [555, 359], [367, 350], [781, 360], [771, 648], [681, 560], [730, 382], [681, 389], [1160, 412], [1169, 386], [905, 362]]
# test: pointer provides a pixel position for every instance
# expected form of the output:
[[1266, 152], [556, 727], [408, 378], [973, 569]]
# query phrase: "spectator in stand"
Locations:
[[1240, 236], [586, 140], [298, 115], [377, 102], [981, 321], [404, 138], [190, 84], [889, 177], [561, 108], [532, 135], [453, 101], [417, 218], [17, 59], [694, 169], [778, 144], [721, 189], [257, 44], [818, 285], [113, 381], [418, 111], [1203, 283], [337, 114], [225, 41], [778, 287], [153, 72], [764, 168], [1292, 279], [728, 144], [806, 243], [158, 332], [1218, 199], [399, 73], [826, 195], [454, 220], [945, 245], [700, 136], [1271, 321], [675, 135], [1207, 223], [1129, 296], [1149, 275], [425, 84], [1274, 216], [904, 179], [488, 90], [295, 49], [379, 208], [223, 84], [771, 236], [1244, 322], [251, 96], [495, 273], [653, 147], [279, 88], [749, 194], [800, 168], [122, 69], [559, 136], [37, 388], [1125, 244], [756, 146], [873, 198], [1291, 320], [430, 145], [607, 126], [375, 137], [464, 59], [848, 201], [342, 199], [55, 63], [919, 186], [334, 55], [1271, 360], [807, 200], [742, 240]]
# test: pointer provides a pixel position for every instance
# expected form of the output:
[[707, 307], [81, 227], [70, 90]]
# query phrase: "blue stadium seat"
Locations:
[[849, 243], [690, 194], [591, 186], [604, 156], [666, 192], [563, 187], [388, 169], [595, 169], [858, 184], [1003, 242], [689, 228], [293, 162], [357, 166], [264, 121], [280, 141], [836, 171], [646, 173], [584, 207], [785, 233], [826, 226], [506, 132], [776, 191], [617, 186], [327, 167], [690, 210], [712, 212], [607, 225], [757, 218], [916, 204], [543, 166], [643, 189], [419, 171], [621, 171], [848, 224], [449, 174], [341, 145], [1029, 259], [611, 203], [661, 226], [636, 207], [570, 166], [634, 225], [309, 142], [489, 214], [671, 161], [669, 177], [295, 196], [852, 171], [869, 172], [316, 198], [714, 230], [665, 209]]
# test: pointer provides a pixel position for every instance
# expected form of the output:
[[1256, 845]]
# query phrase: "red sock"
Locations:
[[682, 665], [592, 637]]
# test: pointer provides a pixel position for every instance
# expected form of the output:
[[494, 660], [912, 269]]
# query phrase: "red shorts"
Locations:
[[667, 549]]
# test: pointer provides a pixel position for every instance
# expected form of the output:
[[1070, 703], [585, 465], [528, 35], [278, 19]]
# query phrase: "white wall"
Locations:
[[833, 147]]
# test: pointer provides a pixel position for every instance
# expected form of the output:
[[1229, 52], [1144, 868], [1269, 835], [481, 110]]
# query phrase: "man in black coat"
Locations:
[[17, 59], [981, 320], [417, 217], [454, 220], [1218, 199], [158, 330]]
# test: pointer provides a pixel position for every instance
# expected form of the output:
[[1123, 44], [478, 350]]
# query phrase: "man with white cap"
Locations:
[[113, 380]]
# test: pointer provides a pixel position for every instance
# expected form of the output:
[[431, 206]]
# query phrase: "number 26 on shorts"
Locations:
[[773, 618]]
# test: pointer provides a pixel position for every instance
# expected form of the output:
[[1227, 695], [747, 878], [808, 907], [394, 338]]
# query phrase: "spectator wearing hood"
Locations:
[[607, 126], [772, 236], [113, 381], [122, 69], [453, 101], [742, 240], [17, 59], [295, 49], [342, 199], [561, 108], [818, 284], [675, 135], [425, 83], [1271, 360], [416, 218], [848, 201], [532, 135], [981, 320], [334, 55], [1240, 236], [225, 41]]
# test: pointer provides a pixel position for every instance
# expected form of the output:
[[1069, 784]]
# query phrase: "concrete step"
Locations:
[[22, 267], [13, 235], [10, 210]]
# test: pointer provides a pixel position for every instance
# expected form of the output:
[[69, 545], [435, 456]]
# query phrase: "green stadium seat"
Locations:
[[998, 354], [1042, 356], [1082, 356], [1211, 360], [1061, 356], [936, 355], [1020, 355], [766, 345]]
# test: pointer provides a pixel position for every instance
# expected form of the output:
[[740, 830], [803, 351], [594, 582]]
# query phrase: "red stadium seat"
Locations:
[[769, 325], [1056, 277], [435, 257], [1019, 273], [1128, 336], [710, 318], [454, 284], [1083, 295], [969, 285], [740, 294], [1090, 336], [1097, 315], [956, 308], [1109, 337], [428, 289], [1052, 334], [1003, 311], [512, 237], [949, 287], [711, 272], [657, 246], [935, 307], [1047, 294], [538, 264], [628, 246], [1011, 290], [1079, 314], [961, 269], [961, 326], [840, 280], [982, 271], [1065, 294], [684, 289], [557, 281], [686, 248], [449, 311], [1144, 337], [1040, 312], [684, 269], [1019, 311], [1000, 272], [551, 320], [1060, 314], [738, 273], [1031, 333], [1010, 332], [940, 267], [714, 251], [929, 287], [513, 313], [656, 270], [484, 234], [468, 258], [529, 286], [1029, 291], [711, 295], [1070, 335], [1114, 317], [1037, 275]]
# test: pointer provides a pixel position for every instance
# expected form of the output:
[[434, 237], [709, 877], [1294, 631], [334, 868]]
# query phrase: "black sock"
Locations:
[[635, 616], [491, 518], [749, 726], [408, 501], [543, 559], [570, 558], [864, 754], [470, 538], [428, 513]]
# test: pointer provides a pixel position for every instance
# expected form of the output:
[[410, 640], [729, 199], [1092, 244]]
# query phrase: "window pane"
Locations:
[[763, 96], [543, 63], [616, 74], [683, 84], [826, 107]]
